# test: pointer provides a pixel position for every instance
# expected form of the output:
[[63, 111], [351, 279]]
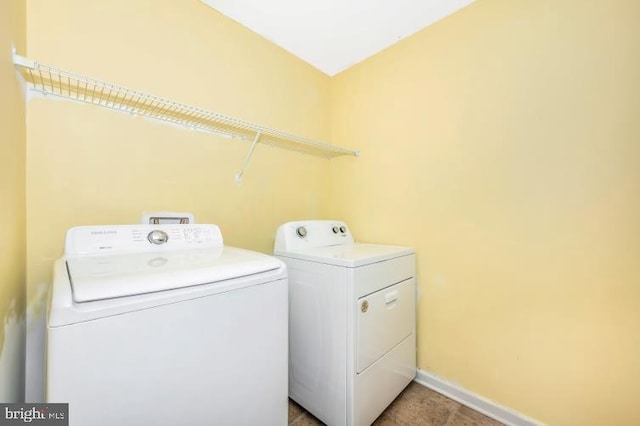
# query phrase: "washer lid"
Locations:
[[348, 255], [105, 277]]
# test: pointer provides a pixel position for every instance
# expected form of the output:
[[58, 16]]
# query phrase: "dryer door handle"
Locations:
[[391, 297]]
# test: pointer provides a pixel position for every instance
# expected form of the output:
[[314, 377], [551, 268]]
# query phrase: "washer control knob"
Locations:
[[335, 229], [301, 231], [157, 237], [343, 229]]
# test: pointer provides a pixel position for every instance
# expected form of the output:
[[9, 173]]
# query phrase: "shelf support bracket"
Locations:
[[21, 61], [246, 160]]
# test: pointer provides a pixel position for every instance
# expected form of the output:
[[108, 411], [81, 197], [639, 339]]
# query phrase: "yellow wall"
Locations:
[[12, 205], [504, 144], [97, 166]]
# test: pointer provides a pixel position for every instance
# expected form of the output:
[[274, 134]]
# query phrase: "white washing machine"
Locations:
[[164, 325], [352, 341]]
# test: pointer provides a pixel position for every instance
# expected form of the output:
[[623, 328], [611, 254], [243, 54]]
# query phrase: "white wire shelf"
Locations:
[[56, 82]]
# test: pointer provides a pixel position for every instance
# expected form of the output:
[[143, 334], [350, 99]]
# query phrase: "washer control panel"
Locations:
[[118, 239], [312, 233]]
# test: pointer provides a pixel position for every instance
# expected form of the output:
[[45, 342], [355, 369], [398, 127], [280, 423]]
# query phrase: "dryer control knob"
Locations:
[[343, 229], [335, 229], [157, 237], [301, 231]]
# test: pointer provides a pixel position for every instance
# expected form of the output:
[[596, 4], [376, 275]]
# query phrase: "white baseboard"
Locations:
[[472, 400]]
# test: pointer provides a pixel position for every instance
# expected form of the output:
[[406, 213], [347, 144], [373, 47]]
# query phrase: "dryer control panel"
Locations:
[[312, 233], [119, 239]]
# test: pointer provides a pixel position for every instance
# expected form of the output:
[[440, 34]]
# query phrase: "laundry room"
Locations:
[[500, 141]]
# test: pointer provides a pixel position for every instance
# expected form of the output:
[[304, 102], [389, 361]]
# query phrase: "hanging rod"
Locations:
[[52, 81]]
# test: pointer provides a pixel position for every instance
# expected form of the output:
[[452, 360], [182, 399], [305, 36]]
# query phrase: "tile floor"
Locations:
[[415, 406]]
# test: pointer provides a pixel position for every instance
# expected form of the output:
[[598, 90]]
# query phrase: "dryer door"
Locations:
[[385, 318]]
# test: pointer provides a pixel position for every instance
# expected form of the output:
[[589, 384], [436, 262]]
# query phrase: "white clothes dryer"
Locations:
[[164, 325], [352, 308]]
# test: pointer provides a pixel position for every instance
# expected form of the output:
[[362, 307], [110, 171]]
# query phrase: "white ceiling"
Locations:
[[333, 35]]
